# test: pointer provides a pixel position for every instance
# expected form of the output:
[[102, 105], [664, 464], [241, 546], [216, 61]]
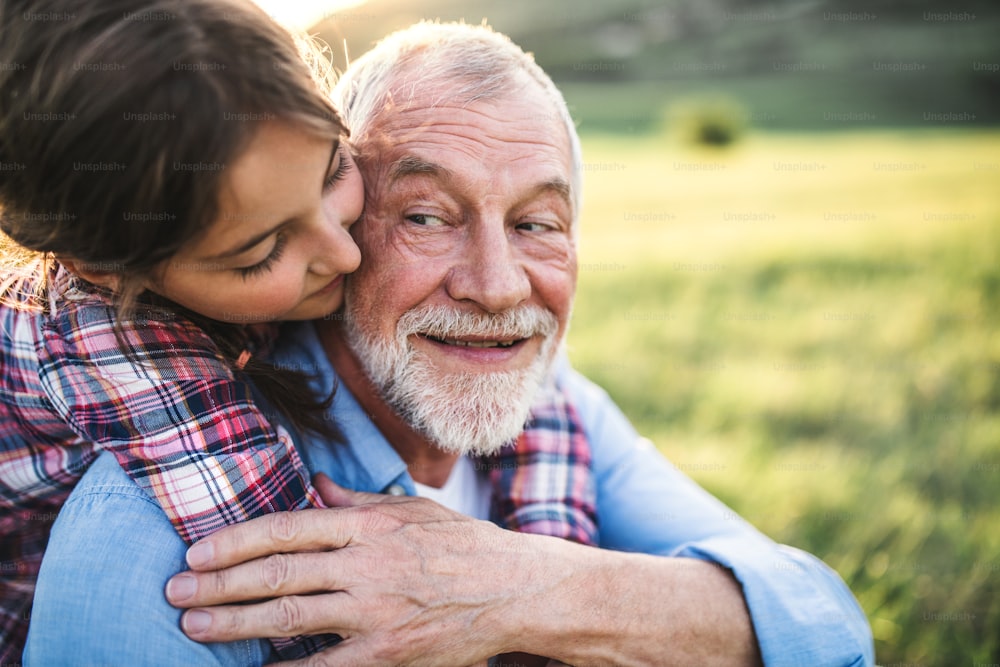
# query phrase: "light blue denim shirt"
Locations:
[[100, 592]]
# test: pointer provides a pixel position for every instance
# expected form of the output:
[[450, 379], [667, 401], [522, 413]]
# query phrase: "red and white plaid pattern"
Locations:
[[544, 485], [178, 421]]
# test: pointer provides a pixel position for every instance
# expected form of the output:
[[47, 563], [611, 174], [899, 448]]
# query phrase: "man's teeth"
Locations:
[[472, 343]]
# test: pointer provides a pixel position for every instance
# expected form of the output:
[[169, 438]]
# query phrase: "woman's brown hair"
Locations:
[[117, 119]]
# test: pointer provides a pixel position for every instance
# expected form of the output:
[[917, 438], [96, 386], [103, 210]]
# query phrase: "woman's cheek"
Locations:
[[281, 291]]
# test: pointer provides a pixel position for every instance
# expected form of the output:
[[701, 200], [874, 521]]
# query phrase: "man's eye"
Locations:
[[426, 220], [533, 227]]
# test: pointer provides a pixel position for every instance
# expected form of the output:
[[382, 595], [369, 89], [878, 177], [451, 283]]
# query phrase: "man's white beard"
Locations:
[[463, 413]]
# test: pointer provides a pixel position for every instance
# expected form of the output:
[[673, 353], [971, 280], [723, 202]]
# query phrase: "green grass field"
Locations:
[[807, 324]]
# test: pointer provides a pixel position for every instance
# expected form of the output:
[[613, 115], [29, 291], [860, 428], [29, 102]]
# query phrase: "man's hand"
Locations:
[[406, 581], [402, 580]]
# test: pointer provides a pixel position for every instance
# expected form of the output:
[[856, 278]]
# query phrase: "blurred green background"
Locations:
[[789, 271]]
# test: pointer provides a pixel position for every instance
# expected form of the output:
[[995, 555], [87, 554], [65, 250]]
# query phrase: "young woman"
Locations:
[[174, 180]]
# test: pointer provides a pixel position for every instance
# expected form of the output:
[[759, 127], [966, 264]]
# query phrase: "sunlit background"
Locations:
[[305, 14], [789, 269]]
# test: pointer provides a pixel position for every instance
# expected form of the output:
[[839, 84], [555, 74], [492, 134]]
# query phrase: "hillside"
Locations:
[[792, 65]]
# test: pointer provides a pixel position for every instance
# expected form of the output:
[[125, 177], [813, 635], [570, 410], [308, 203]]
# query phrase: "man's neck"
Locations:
[[427, 464]]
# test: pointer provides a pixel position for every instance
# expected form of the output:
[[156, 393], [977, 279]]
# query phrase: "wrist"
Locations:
[[561, 591], [513, 579]]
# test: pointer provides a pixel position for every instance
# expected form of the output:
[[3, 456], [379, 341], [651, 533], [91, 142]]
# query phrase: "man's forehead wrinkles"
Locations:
[[490, 109], [504, 126], [452, 138], [504, 143], [436, 153]]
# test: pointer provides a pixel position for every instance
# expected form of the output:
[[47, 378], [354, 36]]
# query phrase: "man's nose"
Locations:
[[489, 269]]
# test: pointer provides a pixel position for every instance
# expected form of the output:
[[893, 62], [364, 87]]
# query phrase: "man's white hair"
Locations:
[[466, 63]]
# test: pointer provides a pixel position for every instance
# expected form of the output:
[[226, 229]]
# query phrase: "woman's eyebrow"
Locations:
[[249, 243]]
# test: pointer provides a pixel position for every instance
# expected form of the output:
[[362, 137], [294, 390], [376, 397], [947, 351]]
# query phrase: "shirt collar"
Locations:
[[366, 461]]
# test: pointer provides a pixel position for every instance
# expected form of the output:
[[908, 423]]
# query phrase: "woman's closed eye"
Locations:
[[265, 264], [344, 165]]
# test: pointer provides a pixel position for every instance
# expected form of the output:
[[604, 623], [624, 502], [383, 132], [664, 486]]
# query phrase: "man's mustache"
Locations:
[[445, 322]]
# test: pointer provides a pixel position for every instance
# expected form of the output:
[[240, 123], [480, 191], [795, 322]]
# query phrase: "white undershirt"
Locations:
[[467, 490]]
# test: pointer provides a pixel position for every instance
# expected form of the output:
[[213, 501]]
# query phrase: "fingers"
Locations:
[[335, 495], [283, 617], [273, 576], [351, 652], [328, 490], [288, 531], [346, 653], [306, 530]]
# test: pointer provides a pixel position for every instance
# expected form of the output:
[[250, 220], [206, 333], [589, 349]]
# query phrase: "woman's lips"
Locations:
[[332, 285]]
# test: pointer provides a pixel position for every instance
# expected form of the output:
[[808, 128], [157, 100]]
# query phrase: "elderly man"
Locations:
[[448, 343]]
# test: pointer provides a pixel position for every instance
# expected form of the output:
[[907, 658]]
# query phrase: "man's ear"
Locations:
[[88, 272]]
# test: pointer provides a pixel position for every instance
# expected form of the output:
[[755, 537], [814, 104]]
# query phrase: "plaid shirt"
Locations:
[[188, 432], [543, 485], [178, 421]]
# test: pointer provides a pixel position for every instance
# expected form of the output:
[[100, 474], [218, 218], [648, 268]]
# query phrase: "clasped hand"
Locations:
[[402, 580]]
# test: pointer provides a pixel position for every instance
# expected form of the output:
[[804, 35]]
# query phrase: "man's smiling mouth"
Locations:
[[474, 343]]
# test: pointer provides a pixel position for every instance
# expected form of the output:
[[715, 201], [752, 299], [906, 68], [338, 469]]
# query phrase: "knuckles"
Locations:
[[375, 519], [283, 528], [275, 572], [323, 659], [219, 584], [287, 613]]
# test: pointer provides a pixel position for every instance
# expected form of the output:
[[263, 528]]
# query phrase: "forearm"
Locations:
[[109, 554], [408, 581], [587, 606]]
